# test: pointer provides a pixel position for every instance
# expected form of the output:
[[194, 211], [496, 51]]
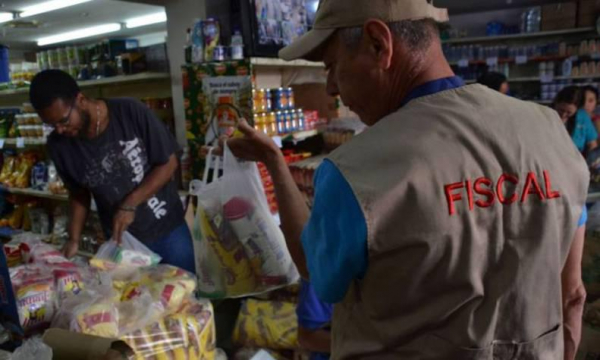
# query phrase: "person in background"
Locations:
[[495, 81], [119, 152], [590, 103], [577, 121], [314, 323]]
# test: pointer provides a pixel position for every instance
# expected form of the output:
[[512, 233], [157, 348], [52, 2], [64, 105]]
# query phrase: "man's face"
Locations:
[[68, 119], [353, 73]]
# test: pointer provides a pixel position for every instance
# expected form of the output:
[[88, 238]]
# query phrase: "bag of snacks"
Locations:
[[36, 297], [92, 312], [123, 260], [189, 334], [237, 227], [267, 324], [169, 284]]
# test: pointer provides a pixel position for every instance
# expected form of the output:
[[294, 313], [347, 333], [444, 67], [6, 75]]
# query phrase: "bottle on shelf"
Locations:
[[237, 46], [188, 46]]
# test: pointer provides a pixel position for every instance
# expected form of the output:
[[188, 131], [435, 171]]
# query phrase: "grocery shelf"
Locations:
[[146, 76], [121, 79], [520, 36], [593, 197], [35, 193], [512, 60], [538, 79], [274, 62], [26, 142]]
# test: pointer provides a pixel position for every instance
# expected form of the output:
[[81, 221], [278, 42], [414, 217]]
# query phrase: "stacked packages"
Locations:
[[124, 294]]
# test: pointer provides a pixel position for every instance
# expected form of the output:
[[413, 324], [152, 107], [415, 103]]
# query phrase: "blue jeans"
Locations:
[[176, 249]]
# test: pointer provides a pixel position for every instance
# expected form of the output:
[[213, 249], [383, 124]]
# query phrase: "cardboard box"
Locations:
[[587, 12], [559, 16], [67, 345]]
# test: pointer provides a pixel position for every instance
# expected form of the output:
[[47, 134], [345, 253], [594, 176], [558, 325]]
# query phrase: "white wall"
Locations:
[[180, 16]]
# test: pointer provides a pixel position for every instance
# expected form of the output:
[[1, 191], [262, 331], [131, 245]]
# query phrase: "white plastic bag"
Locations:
[[240, 232], [33, 348], [123, 260]]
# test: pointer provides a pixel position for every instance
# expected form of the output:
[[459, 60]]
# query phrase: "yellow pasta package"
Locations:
[[239, 277], [267, 324], [99, 319]]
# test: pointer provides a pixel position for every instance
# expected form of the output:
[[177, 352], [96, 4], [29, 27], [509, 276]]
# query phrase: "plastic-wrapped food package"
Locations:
[[123, 260], [237, 227], [36, 297], [267, 324], [14, 256], [189, 334], [92, 312], [169, 284]]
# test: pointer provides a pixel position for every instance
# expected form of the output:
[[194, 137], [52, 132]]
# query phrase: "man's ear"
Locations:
[[379, 41]]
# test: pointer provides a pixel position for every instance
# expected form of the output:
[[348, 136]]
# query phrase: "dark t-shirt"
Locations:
[[114, 164]]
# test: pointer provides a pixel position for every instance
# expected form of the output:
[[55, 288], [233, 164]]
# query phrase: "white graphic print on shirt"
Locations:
[[132, 151]]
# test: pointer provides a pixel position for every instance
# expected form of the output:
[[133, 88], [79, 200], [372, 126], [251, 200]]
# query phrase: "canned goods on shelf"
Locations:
[[280, 122], [220, 53], [290, 98]]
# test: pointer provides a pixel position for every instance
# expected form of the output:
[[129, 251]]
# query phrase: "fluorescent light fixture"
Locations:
[[79, 34], [146, 20], [48, 6], [6, 17]]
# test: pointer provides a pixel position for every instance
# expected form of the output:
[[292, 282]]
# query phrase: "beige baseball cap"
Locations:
[[336, 14]]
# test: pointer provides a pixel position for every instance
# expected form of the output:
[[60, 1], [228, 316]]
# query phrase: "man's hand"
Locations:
[[253, 146], [121, 222], [70, 249]]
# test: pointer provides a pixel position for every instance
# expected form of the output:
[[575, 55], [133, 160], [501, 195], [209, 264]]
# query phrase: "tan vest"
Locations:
[[471, 200]]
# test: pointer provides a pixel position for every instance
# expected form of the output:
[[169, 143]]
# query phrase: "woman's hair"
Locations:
[[591, 89], [493, 80], [570, 95]]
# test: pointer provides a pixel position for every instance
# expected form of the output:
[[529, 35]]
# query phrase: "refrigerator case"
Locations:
[[215, 96]]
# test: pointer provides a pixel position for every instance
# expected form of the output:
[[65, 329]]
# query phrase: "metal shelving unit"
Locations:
[[121, 79], [519, 36], [35, 193], [273, 62]]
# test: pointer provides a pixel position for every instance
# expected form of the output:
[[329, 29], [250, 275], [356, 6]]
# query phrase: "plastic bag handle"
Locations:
[[209, 157], [217, 167]]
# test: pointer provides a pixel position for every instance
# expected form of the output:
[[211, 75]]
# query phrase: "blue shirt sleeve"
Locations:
[[583, 218], [335, 237], [313, 314], [591, 134]]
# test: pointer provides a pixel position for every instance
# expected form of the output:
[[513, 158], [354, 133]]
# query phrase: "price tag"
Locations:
[[492, 61], [595, 56], [1, 143], [20, 143], [521, 59], [547, 78], [463, 63], [574, 58]]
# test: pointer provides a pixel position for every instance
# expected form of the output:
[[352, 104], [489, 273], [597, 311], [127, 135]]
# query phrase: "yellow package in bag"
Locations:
[[267, 324]]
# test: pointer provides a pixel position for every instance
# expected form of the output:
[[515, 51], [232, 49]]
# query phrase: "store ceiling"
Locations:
[[91, 13]]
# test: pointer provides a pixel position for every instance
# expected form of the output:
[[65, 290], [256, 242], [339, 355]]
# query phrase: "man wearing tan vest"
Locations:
[[453, 227]]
